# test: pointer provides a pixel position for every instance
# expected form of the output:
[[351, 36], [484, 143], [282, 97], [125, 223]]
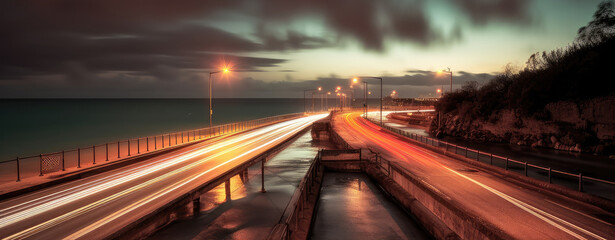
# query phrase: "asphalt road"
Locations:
[[95, 207], [520, 211]]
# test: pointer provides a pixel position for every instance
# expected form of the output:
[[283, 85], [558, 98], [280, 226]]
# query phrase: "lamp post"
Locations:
[[327, 100], [380, 95], [451, 72], [310, 90], [211, 111], [356, 80]]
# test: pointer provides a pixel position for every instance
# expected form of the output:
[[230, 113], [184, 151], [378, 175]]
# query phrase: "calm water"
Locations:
[[30, 127]]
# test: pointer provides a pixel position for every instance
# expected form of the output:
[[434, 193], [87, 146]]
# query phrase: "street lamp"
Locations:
[[356, 80], [451, 72], [380, 95], [327, 100], [211, 111], [310, 90]]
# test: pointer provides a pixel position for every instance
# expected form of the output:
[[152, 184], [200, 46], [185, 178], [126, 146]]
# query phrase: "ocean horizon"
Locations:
[[35, 126]]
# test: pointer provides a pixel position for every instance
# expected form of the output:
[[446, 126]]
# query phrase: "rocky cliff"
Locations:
[[578, 126]]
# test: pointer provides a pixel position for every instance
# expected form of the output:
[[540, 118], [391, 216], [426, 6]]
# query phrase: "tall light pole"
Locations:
[[327, 100], [380, 95], [211, 111], [356, 80], [310, 90], [451, 72]]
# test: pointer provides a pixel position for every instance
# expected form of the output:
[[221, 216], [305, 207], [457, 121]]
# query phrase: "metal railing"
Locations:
[[83, 157], [576, 181], [298, 207]]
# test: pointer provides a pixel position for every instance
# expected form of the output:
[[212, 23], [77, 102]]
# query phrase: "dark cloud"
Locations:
[[482, 12], [370, 22], [190, 84], [134, 45], [290, 40]]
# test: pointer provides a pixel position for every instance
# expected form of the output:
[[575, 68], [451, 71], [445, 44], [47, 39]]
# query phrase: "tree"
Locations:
[[601, 27]]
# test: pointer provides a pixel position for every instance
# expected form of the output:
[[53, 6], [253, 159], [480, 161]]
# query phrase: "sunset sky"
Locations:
[[277, 48]]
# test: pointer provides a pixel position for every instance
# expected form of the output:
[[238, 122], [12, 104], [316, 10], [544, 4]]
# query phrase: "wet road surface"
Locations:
[[518, 210]]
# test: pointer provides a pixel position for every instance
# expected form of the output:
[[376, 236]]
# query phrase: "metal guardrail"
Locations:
[[45, 163], [289, 225], [547, 174]]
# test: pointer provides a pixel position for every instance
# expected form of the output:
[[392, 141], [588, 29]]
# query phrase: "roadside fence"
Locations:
[[576, 181], [83, 157]]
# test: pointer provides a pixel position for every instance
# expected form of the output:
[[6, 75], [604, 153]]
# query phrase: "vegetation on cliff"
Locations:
[[579, 72]]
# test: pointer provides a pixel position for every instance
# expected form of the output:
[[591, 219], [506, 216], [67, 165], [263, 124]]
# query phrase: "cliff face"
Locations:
[[583, 126]]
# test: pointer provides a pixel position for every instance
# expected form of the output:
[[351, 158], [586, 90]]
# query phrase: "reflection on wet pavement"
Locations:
[[352, 207], [250, 214]]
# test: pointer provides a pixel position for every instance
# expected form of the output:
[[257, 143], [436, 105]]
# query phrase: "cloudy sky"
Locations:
[[276, 48]]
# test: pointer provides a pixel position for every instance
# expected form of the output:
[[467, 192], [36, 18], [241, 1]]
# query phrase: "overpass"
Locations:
[[105, 204]]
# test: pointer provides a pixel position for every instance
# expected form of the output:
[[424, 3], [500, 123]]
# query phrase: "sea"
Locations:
[[35, 126]]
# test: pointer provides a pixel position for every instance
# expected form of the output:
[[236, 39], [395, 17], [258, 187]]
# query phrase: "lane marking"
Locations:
[[522, 205], [584, 214]]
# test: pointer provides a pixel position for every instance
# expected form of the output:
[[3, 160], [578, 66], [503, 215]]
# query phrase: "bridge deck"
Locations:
[[98, 206]]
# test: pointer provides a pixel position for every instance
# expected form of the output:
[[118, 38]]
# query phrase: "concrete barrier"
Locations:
[[401, 196]]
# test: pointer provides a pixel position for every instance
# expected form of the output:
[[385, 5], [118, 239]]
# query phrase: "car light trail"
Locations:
[[406, 151], [256, 140], [95, 188]]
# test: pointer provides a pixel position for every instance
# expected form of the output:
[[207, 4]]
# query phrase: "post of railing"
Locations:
[[446, 148], [580, 182], [147, 143], [549, 175], [193, 135], [162, 140], [63, 168], [94, 154], [106, 151], [525, 168], [182, 137], [40, 166], [118, 149], [128, 147], [18, 176], [491, 159], [78, 157], [138, 145], [477, 155], [506, 166], [169, 140]]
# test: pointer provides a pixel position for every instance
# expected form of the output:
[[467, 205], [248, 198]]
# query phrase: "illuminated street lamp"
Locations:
[[327, 100], [356, 80], [310, 90], [211, 111], [448, 71], [380, 94]]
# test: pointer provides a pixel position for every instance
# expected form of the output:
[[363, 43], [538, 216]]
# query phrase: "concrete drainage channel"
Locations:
[[345, 197]]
